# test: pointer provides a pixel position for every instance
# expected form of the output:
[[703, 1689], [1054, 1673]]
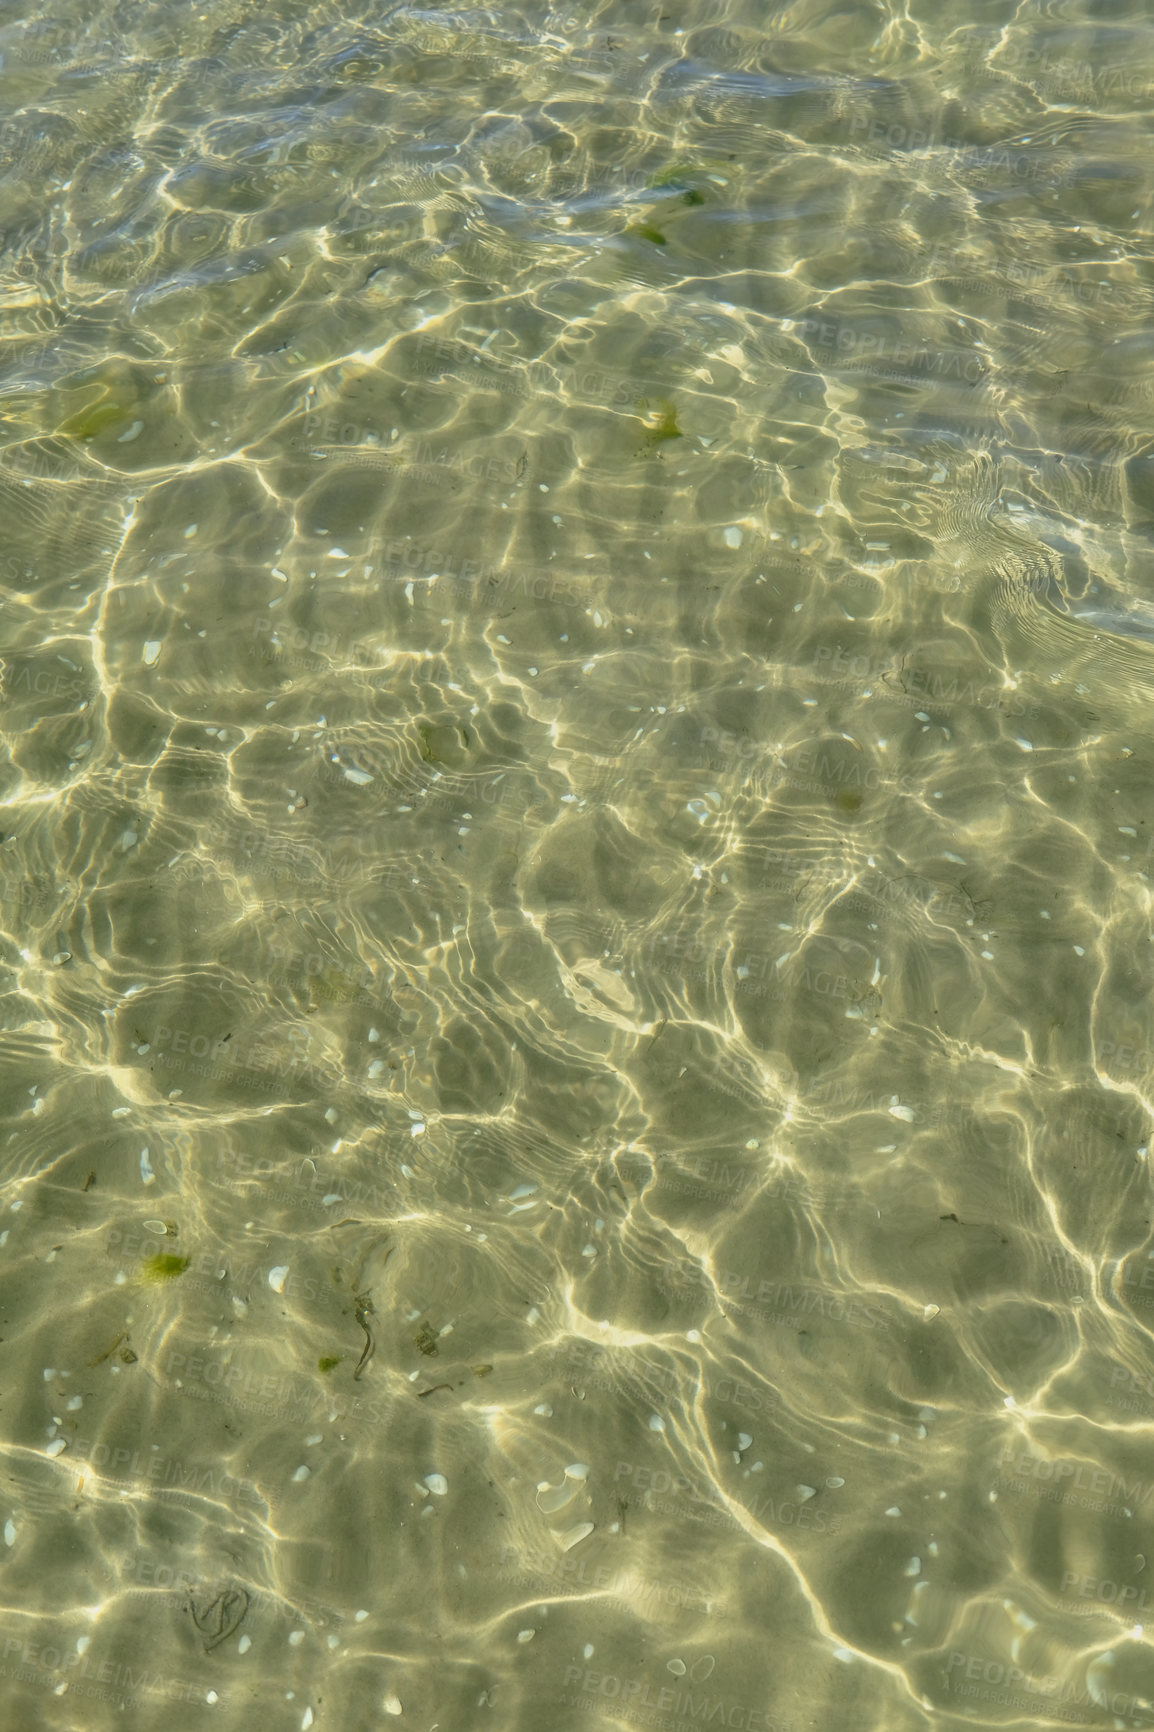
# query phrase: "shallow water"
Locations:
[[577, 867]]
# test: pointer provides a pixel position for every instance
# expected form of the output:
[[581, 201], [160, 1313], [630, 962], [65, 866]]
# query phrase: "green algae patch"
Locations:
[[679, 172], [103, 402], [445, 745], [96, 418], [647, 232], [335, 985], [329, 1363], [660, 422], [163, 1266]]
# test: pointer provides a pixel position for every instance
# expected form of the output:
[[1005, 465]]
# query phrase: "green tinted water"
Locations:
[[576, 841]]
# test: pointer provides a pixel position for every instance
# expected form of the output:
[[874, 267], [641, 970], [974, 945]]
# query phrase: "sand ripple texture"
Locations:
[[576, 833]]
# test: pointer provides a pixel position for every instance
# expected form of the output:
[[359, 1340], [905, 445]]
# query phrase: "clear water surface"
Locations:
[[577, 631]]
